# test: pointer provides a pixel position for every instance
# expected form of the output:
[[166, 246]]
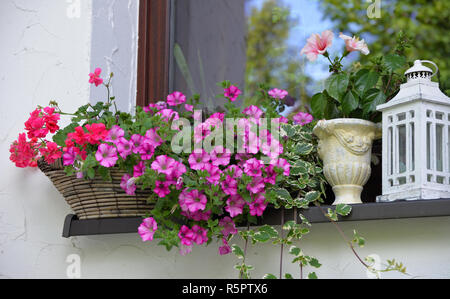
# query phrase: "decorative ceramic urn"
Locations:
[[345, 147]]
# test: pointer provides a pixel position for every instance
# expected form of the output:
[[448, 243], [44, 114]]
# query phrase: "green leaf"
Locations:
[[237, 251], [319, 104], [288, 276], [282, 194], [365, 81], [303, 149], [272, 232], [312, 275], [105, 173], [394, 62], [332, 215], [295, 251], [343, 209], [312, 196], [336, 85], [357, 239], [373, 98], [315, 263], [350, 102], [60, 137], [269, 276]]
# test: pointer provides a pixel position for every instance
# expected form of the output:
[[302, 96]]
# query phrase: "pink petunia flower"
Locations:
[[278, 94], [317, 44], [162, 188], [195, 201], [258, 205], [232, 93], [147, 151], [354, 44], [230, 186], [198, 161], [94, 78], [283, 164], [214, 174], [70, 155], [189, 108], [235, 205], [257, 185], [186, 235], [218, 115], [125, 148], [128, 184], [197, 216], [106, 155], [234, 171], [200, 235], [253, 167], [153, 138], [220, 156], [228, 225], [176, 98], [253, 111], [115, 134], [168, 115], [303, 118], [225, 249], [163, 164], [139, 169], [147, 229]]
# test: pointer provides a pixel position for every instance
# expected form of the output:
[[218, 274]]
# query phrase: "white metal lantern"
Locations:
[[416, 133]]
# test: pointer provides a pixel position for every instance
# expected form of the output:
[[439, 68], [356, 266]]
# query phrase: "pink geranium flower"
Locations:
[[128, 184], [220, 156], [317, 44], [106, 155], [235, 205], [232, 93], [303, 118], [258, 205], [94, 78], [354, 44], [164, 164], [147, 229], [176, 98], [198, 161], [51, 153], [278, 94], [115, 134]]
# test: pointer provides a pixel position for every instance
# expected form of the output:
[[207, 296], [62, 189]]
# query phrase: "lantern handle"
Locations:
[[434, 64]]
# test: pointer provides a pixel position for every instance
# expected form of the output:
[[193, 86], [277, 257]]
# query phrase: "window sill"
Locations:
[[361, 212]]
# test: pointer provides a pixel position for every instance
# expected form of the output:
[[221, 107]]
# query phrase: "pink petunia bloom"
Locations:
[[271, 177], [220, 156], [273, 148], [177, 171], [189, 108], [200, 235], [139, 169], [198, 161], [186, 235], [195, 201], [128, 184], [168, 115], [125, 148], [106, 155], [146, 151], [176, 98], [253, 111], [228, 225], [354, 44], [94, 78], [70, 155], [258, 205], [185, 250], [201, 132], [182, 200], [283, 164], [158, 106], [232, 93], [235, 205], [253, 167], [147, 229], [153, 138], [162, 189], [115, 134], [225, 249], [257, 185], [164, 164], [214, 174], [234, 171], [230, 186], [278, 94], [303, 118], [317, 44], [137, 140], [218, 115], [197, 216]]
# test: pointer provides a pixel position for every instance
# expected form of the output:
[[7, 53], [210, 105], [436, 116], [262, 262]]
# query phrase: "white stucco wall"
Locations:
[[46, 55]]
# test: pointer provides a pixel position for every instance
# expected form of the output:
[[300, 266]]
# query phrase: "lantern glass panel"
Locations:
[[412, 147], [439, 147], [402, 148], [429, 146], [391, 152]]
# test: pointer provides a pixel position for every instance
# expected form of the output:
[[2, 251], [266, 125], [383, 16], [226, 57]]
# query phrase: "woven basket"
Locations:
[[93, 199]]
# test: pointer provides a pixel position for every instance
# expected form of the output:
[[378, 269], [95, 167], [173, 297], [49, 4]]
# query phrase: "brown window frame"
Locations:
[[153, 51]]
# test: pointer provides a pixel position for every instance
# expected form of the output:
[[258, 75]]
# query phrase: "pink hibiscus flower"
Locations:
[[354, 44], [317, 44]]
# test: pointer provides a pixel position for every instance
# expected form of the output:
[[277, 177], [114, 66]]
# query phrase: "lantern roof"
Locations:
[[418, 87]]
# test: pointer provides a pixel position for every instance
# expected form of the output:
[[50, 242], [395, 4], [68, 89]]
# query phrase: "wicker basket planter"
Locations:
[[93, 199]]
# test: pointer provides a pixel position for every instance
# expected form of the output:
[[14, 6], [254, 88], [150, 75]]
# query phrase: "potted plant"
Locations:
[[347, 109]]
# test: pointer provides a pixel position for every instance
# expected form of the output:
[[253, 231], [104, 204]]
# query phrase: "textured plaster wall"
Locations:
[[45, 55]]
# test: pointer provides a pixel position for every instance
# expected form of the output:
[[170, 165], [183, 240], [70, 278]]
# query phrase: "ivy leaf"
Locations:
[[357, 239], [312, 196], [332, 215], [315, 263], [394, 62], [237, 251], [343, 209], [272, 232], [282, 194], [303, 149], [365, 81], [295, 251], [312, 275], [336, 85], [269, 276], [373, 98], [350, 102]]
